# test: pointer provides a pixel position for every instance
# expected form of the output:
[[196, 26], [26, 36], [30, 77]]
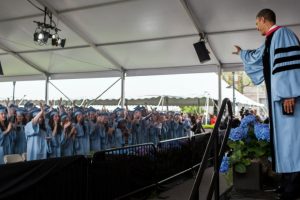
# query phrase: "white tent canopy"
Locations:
[[111, 38], [139, 37]]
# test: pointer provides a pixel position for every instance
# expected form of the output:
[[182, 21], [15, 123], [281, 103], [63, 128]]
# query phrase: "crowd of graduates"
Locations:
[[47, 131]]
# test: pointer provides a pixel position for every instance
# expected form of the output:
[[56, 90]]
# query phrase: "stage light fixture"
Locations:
[[45, 31]]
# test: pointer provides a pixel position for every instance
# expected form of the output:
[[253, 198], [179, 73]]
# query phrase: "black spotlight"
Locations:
[[202, 52], [54, 42], [62, 43], [35, 36], [1, 70]]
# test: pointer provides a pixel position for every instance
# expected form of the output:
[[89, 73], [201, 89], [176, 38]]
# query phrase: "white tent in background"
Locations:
[[186, 88]]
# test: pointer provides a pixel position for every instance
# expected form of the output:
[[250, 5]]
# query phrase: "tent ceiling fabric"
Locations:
[[142, 37]]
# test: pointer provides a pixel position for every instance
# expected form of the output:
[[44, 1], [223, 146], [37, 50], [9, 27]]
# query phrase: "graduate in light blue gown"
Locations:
[[110, 131], [121, 133], [82, 142], [277, 62], [171, 126], [54, 131], [20, 142], [6, 132], [179, 127], [136, 127], [129, 118], [186, 126], [164, 128], [68, 136], [36, 136], [102, 120], [155, 129], [95, 139]]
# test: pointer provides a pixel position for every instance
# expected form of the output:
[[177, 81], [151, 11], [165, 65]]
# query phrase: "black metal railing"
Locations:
[[115, 172], [174, 158], [218, 150]]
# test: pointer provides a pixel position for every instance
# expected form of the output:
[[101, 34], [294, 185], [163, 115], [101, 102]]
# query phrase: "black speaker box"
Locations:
[[1, 70], [202, 51]]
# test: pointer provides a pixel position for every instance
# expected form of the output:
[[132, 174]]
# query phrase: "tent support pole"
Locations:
[[233, 93], [60, 91], [14, 89], [162, 103], [47, 90], [219, 87], [103, 92], [198, 104], [123, 89], [167, 103], [207, 107]]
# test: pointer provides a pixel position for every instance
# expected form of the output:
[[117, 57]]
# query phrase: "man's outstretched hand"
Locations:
[[238, 50]]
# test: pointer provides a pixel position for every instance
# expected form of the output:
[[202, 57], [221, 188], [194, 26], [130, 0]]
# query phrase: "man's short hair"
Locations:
[[268, 14]]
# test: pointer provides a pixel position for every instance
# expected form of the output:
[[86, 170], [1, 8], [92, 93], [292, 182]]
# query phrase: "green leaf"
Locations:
[[247, 162], [259, 152], [240, 168]]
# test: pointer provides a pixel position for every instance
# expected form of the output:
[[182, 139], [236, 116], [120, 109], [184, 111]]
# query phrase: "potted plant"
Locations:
[[249, 144]]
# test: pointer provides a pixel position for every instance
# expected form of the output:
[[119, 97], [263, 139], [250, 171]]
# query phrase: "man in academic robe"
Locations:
[[277, 62]]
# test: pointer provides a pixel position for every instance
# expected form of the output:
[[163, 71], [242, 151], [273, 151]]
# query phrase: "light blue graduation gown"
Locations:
[[136, 133], [8, 142], [67, 145], [285, 82], [103, 136], [95, 139], [154, 133], [82, 146], [164, 131], [119, 140], [54, 144], [20, 145], [36, 142], [1, 147], [186, 127]]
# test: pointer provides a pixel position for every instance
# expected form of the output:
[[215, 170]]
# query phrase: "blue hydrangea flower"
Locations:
[[249, 119], [262, 132], [237, 133], [245, 131], [224, 165]]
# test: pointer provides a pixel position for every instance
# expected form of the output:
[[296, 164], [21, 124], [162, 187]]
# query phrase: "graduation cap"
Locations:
[[104, 114], [63, 116], [162, 113], [77, 112], [13, 106], [20, 111], [2, 109], [1, 70], [53, 112], [176, 113], [35, 111], [28, 105], [91, 110], [139, 108], [116, 110]]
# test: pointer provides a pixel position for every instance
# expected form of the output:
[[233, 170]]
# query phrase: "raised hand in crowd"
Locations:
[[7, 102], [66, 125]]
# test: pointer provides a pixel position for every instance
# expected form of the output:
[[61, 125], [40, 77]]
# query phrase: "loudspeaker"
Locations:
[[202, 51], [1, 70]]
